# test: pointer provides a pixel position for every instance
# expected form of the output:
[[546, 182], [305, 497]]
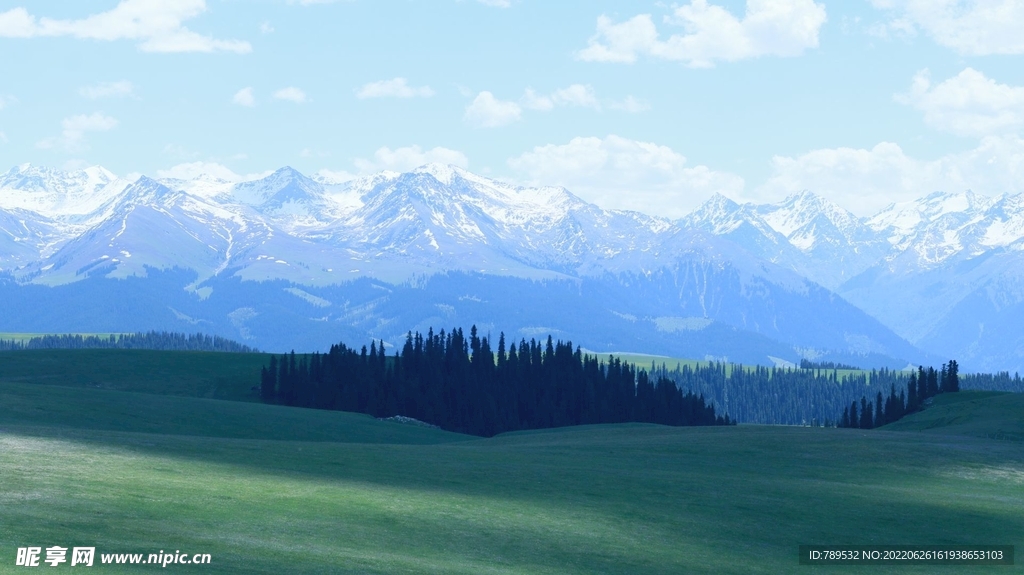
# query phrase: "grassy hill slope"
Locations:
[[991, 414], [182, 373], [73, 408], [138, 473]]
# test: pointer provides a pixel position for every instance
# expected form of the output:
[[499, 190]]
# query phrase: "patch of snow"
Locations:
[[779, 362], [312, 299]]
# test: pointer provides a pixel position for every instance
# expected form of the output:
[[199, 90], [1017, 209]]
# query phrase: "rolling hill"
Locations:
[[267, 489]]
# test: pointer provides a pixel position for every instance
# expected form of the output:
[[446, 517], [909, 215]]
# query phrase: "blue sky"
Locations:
[[637, 105]]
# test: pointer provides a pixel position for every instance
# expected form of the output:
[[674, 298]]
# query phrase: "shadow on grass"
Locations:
[[638, 498]]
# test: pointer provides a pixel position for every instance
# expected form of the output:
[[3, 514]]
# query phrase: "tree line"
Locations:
[[808, 364], [780, 395], [999, 381], [462, 384], [155, 340], [925, 384]]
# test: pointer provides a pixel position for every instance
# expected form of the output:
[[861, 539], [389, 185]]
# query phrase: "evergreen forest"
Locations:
[[154, 340], [921, 387], [462, 384]]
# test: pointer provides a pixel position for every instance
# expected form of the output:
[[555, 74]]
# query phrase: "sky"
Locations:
[[629, 104]]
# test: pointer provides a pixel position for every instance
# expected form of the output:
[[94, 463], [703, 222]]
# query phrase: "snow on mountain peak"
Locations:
[[799, 213], [443, 173], [54, 193], [718, 215], [283, 185], [100, 174], [445, 208], [903, 217]]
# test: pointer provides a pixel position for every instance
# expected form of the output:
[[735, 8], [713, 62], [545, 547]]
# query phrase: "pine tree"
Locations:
[[879, 411], [865, 414], [912, 398], [268, 382], [954, 376]]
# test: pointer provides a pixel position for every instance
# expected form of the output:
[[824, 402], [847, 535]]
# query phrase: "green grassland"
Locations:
[[269, 489], [989, 414], [182, 373]]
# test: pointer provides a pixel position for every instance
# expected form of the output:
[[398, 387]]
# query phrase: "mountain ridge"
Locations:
[[436, 219]]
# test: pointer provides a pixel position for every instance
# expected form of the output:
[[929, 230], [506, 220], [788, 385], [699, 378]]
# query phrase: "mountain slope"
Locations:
[[757, 276]]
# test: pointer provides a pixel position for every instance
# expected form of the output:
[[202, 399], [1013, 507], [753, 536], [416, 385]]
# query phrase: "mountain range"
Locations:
[[289, 261]]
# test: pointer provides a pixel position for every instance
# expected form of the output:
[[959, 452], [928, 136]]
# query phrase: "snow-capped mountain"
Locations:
[[277, 256], [836, 245], [942, 271], [64, 196], [804, 233], [51, 191], [954, 273]]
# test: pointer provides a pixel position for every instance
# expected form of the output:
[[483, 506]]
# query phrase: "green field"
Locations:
[[181, 373], [989, 414], [268, 489]]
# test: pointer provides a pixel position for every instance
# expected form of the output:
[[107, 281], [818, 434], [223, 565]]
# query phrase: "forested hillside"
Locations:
[[155, 340]]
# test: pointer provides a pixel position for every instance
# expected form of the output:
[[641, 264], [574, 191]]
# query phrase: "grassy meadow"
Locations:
[[988, 414], [269, 489], [181, 373]]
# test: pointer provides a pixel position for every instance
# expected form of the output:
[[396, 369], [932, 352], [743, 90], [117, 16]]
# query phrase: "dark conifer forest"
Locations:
[[155, 340], [796, 396], [921, 386], [462, 384]]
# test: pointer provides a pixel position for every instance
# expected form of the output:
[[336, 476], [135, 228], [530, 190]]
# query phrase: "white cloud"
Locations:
[[192, 170], [971, 27], [72, 137], [393, 88], [291, 94], [768, 28], [334, 176], [3, 138], [119, 89], [486, 111], [630, 105], [179, 152], [865, 181], [620, 173], [968, 104], [266, 28], [496, 3], [74, 164], [6, 101], [157, 26], [900, 28], [574, 95], [244, 97], [534, 101], [405, 159]]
